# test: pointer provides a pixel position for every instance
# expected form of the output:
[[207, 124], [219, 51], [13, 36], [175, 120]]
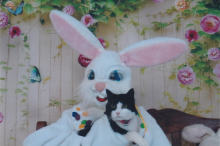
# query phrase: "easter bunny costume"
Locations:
[[108, 70]]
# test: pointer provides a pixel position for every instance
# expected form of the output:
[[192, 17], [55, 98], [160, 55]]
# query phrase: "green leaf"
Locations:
[[3, 62], [3, 90], [92, 29], [162, 25], [24, 112], [201, 64], [28, 70], [24, 77], [25, 38], [188, 25], [56, 2], [12, 138], [2, 78], [118, 12], [28, 8], [202, 33], [45, 8], [40, 2], [214, 12], [201, 7], [118, 24], [210, 82], [21, 65], [7, 68], [177, 20], [196, 22], [26, 45], [24, 94], [195, 103], [202, 77], [197, 88], [23, 100], [21, 82], [18, 91], [172, 76], [42, 21], [202, 52], [142, 70], [70, 101], [196, 43], [182, 66], [110, 4], [27, 57], [169, 11], [121, 21], [125, 15], [11, 46], [182, 86], [25, 88], [102, 18], [101, 3]]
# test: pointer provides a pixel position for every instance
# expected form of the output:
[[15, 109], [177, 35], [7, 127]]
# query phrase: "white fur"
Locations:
[[126, 114], [199, 133]]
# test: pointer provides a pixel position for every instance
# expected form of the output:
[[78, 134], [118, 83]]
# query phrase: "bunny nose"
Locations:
[[100, 86]]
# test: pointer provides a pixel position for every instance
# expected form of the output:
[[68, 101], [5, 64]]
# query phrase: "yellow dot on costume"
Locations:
[[77, 108], [81, 126], [85, 114]]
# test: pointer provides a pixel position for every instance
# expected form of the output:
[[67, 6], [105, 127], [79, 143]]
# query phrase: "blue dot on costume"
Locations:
[[74, 114]]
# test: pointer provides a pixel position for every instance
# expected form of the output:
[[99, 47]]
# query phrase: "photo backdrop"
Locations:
[[34, 42]]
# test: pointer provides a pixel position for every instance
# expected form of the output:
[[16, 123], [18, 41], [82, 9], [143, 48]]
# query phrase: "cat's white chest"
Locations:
[[131, 126]]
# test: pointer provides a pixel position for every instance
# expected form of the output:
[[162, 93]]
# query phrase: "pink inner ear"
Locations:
[[153, 54], [74, 37]]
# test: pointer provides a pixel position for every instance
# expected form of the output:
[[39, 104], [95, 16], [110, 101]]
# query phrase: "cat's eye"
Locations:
[[91, 75], [113, 106], [124, 106], [116, 75]]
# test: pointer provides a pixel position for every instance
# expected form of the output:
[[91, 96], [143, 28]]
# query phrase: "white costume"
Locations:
[[108, 70]]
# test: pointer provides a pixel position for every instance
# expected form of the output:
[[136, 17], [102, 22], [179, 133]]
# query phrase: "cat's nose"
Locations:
[[117, 113], [100, 86]]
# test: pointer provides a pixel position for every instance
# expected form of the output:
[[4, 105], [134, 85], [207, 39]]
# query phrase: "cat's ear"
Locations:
[[131, 92], [109, 93]]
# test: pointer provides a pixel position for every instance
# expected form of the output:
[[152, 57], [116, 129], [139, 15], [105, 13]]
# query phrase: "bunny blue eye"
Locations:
[[91, 75], [116, 76]]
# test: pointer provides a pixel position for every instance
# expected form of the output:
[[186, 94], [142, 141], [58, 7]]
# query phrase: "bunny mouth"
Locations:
[[101, 99]]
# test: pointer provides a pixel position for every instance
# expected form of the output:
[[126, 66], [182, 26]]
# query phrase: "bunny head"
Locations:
[[109, 69], [199, 133]]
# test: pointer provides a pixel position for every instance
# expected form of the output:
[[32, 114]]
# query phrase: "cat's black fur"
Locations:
[[114, 99]]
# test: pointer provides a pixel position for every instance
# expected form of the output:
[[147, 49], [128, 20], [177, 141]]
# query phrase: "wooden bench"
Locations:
[[172, 122]]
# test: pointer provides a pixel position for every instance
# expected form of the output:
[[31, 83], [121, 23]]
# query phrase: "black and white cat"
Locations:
[[121, 113]]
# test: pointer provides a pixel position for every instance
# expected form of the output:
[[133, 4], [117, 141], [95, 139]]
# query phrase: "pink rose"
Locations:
[[186, 76], [14, 30], [69, 9], [191, 35], [216, 70], [87, 20], [210, 24], [84, 61], [1, 117], [102, 41], [214, 54], [3, 19], [158, 1]]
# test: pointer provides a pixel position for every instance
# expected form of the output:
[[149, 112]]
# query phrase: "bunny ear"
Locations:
[[153, 51], [75, 34]]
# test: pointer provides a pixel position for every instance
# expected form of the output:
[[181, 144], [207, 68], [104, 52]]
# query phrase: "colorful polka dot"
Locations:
[[85, 114], [81, 126], [142, 125], [83, 122], [77, 108]]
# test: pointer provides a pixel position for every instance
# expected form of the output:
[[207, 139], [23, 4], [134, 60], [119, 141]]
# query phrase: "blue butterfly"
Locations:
[[35, 75], [19, 9]]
